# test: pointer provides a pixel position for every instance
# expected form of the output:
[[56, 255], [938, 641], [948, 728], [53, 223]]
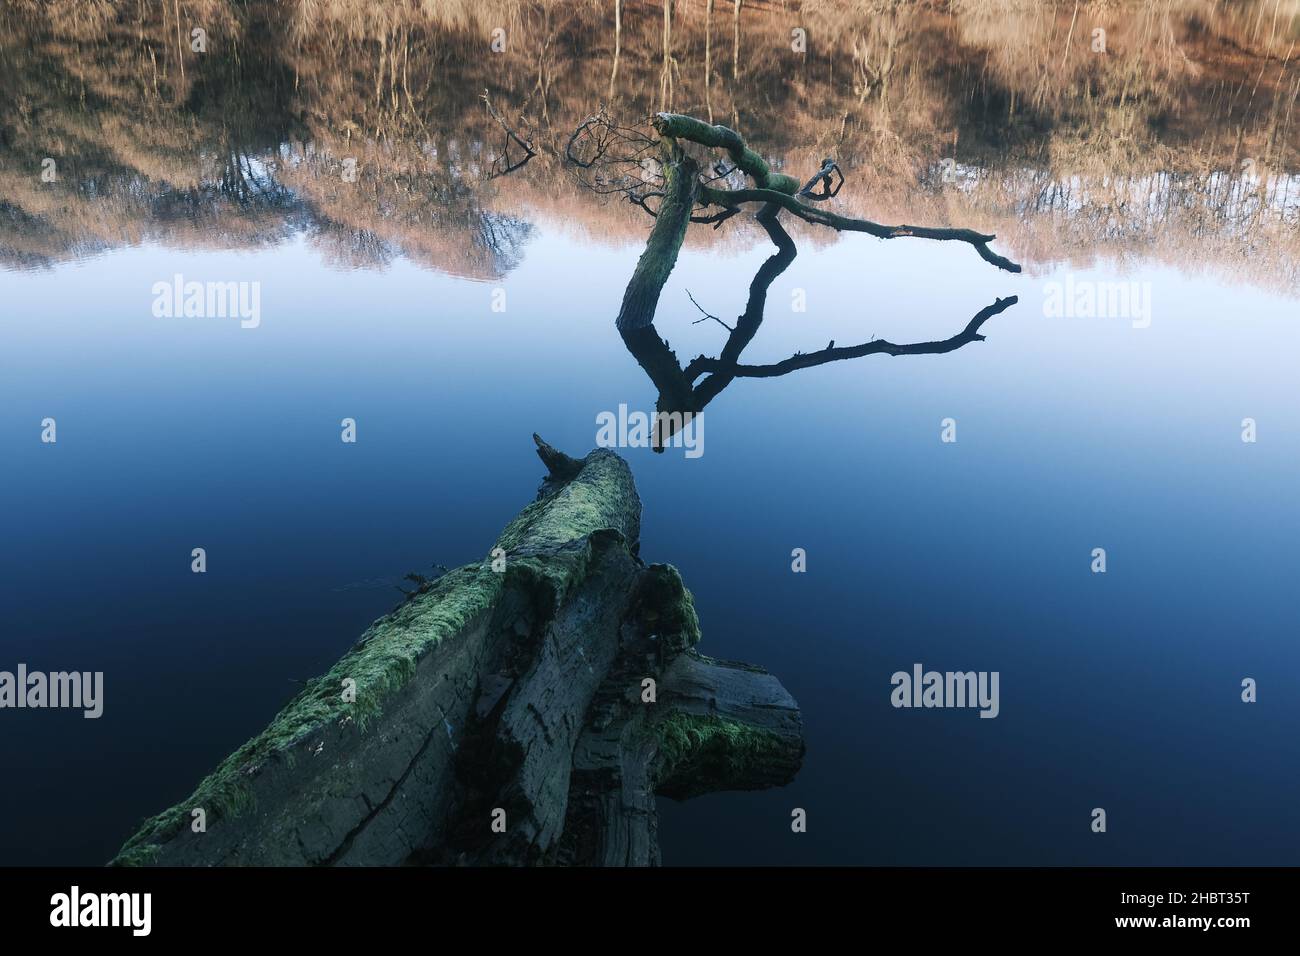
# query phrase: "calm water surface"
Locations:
[[1118, 690]]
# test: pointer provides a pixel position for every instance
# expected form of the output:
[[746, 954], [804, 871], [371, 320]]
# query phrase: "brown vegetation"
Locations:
[[995, 114]]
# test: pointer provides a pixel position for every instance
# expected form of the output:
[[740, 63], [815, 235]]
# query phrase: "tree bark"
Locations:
[[513, 696], [681, 186]]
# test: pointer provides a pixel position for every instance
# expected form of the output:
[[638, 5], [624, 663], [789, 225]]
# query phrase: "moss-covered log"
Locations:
[[509, 692], [680, 126]]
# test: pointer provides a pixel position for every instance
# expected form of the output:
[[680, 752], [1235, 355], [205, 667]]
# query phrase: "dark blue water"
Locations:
[[1119, 691]]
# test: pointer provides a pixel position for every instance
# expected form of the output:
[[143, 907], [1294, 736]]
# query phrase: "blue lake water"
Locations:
[[1118, 690]]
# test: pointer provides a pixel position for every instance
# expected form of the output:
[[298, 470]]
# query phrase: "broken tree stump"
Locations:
[[515, 685]]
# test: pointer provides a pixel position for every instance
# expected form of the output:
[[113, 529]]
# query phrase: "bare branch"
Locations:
[[876, 347], [823, 176], [717, 218], [784, 191], [502, 166], [820, 217], [610, 159], [707, 315]]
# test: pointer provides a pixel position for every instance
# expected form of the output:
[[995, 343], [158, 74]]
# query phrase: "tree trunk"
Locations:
[[666, 77], [708, 56], [641, 297], [618, 44], [502, 714]]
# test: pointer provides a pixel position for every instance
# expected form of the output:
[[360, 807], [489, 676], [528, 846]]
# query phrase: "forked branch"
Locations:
[[731, 198], [971, 333], [784, 191], [504, 164]]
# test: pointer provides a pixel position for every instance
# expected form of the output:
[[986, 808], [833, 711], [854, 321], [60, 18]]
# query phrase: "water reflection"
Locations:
[[1177, 147], [685, 391], [1176, 144]]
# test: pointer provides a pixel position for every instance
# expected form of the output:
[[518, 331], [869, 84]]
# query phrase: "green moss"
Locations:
[[603, 496], [136, 856], [382, 662], [548, 545], [549, 576], [703, 753], [657, 260], [680, 126], [668, 609]]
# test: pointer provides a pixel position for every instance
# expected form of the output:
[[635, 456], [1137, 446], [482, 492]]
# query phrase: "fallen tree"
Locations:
[[612, 159], [526, 709], [677, 188]]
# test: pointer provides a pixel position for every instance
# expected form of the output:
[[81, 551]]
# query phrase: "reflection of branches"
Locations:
[[823, 177], [502, 164], [678, 388], [503, 238], [239, 180], [733, 197], [875, 347], [778, 189], [706, 315], [610, 158], [682, 192]]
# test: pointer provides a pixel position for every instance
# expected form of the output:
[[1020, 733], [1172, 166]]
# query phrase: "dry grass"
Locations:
[[1067, 155]]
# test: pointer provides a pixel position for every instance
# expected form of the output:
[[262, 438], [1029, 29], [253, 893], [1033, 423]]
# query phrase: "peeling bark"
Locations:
[[518, 690]]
